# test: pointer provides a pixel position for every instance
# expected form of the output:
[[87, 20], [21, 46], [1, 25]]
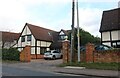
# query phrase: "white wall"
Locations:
[[61, 33], [38, 43], [114, 35], [119, 34], [20, 49], [33, 41], [32, 50], [8, 44], [105, 36], [38, 50], [43, 43], [27, 31], [48, 44]]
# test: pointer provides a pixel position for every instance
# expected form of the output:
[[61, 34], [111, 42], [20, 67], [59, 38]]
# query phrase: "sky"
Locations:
[[52, 14]]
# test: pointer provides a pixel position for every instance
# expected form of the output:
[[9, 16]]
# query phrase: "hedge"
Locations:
[[10, 54]]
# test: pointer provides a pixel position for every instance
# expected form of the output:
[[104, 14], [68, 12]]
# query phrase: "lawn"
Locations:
[[102, 66]]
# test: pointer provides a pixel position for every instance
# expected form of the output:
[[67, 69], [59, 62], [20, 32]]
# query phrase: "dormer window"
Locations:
[[62, 35]]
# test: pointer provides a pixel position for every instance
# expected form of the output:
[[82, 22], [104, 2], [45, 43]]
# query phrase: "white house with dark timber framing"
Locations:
[[40, 39], [110, 28]]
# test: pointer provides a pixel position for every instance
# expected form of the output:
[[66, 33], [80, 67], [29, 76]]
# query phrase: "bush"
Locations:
[[10, 54]]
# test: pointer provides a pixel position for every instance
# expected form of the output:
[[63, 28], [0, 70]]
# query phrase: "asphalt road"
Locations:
[[12, 71], [15, 72], [36, 68]]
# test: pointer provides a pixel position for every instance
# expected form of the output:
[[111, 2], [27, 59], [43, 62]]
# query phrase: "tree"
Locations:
[[85, 37]]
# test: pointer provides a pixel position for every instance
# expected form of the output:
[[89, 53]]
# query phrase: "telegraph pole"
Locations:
[[78, 31], [72, 34]]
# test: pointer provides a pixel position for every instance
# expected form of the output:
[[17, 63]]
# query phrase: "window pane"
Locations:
[[23, 39], [29, 38], [42, 50]]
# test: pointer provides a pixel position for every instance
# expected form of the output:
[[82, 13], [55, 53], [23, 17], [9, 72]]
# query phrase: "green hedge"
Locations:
[[10, 54]]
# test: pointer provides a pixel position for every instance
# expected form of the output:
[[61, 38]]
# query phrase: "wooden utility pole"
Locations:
[[72, 34]]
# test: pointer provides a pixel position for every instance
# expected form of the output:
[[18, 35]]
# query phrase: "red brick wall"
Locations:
[[89, 52], [107, 56], [66, 51], [91, 55], [25, 54], [99, 56]]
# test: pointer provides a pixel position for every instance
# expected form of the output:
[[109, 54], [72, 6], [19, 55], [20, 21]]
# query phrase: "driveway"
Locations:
[[46, 62]]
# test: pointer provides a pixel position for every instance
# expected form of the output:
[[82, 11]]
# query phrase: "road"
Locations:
[[13, 71], [35, 68]]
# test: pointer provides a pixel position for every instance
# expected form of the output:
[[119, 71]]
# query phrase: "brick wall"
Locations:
[[91, 55], [66, 51], [100, 56], [107, 56], [89, 52], [25, 54]]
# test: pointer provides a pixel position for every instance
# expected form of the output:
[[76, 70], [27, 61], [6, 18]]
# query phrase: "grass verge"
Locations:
[[102, 66]]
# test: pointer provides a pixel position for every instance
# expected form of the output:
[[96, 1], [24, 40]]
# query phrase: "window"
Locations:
[[55, 52], [23, 39], [118, 43], [29, 37], [42, 50], [61, 37]]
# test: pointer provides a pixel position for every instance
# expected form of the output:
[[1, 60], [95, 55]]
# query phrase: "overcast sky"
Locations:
[[52, 14]]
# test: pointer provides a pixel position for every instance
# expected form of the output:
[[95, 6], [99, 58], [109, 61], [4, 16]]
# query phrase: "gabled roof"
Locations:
[[9, 36], [41, 33], [66, 32], [110, 20]]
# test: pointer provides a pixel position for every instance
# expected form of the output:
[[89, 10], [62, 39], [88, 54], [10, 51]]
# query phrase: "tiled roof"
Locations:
[[110, 20], [9, 36], [56, 45], [41, 33]]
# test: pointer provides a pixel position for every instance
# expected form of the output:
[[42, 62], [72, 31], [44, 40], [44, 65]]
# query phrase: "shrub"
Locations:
[[10, 54]]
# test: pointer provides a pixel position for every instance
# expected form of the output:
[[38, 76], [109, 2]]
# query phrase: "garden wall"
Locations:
[[92, 55], [106, 56]]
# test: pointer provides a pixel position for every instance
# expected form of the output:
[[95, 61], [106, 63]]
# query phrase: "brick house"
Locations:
[[110, 28], [8, 39], [40, 39]]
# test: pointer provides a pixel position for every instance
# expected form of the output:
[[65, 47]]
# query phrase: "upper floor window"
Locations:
[[23, 39], [61, 37], [29, 37]]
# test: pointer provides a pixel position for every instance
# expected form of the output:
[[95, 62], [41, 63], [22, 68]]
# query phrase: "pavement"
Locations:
[[51, 66], [89, 72]]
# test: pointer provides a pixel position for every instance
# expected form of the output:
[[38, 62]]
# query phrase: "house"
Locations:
[[110, 28], [40, 39], [8, 39], [62, 35]]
